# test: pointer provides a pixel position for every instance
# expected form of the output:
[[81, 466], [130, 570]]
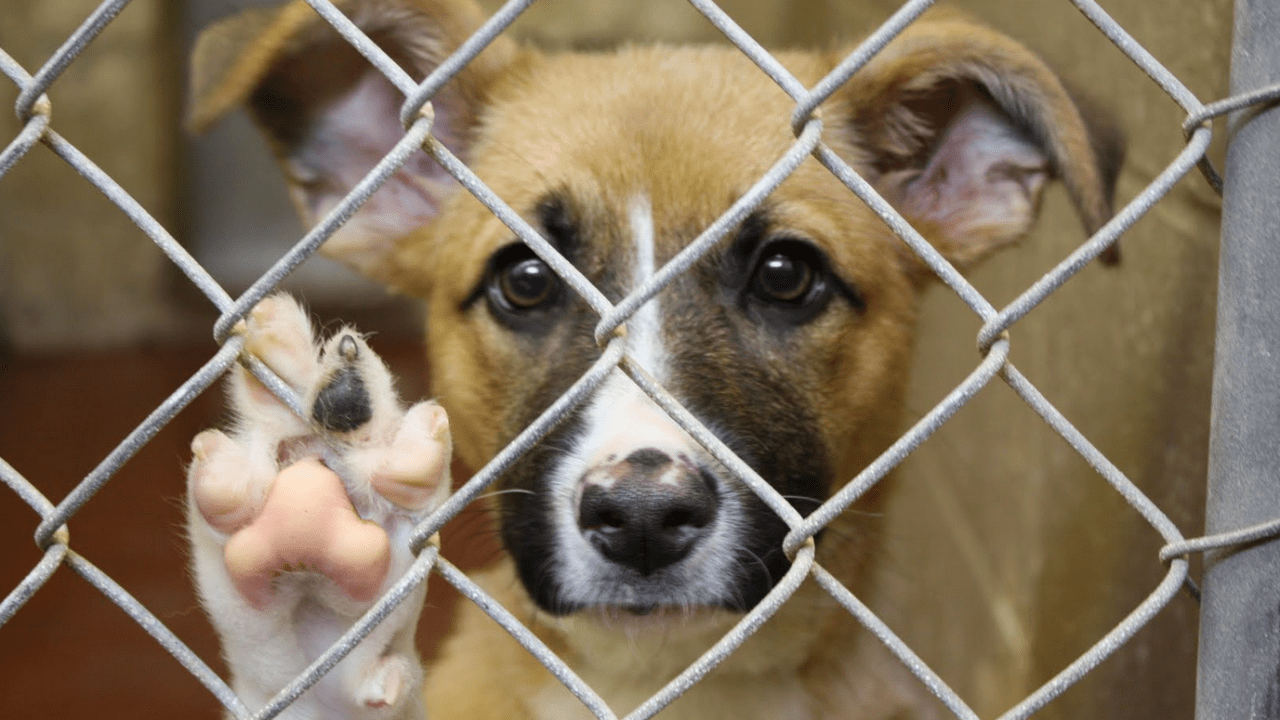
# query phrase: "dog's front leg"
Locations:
[[298, 526]]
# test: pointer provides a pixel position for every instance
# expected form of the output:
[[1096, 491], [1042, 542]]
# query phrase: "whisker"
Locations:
[[495, 493], [803, 498], [752, 556]]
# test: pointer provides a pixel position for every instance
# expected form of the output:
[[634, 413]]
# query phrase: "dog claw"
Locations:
[[348, 349]]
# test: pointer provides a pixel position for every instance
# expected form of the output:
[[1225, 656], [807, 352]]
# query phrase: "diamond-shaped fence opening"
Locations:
[[52, 537]]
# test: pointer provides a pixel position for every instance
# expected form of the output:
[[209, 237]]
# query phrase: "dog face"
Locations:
[[746, 341], [788, 340]]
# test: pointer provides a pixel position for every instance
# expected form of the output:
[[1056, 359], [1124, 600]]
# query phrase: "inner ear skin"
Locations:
[[910, 134], [292, 100]]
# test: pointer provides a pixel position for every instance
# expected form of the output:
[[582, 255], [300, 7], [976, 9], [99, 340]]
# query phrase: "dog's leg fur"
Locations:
[[297, 527]]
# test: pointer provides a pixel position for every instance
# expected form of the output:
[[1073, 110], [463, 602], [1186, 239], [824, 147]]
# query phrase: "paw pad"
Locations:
[[308, 522]]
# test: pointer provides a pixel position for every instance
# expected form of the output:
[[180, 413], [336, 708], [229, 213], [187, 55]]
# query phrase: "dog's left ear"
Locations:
[[960, 127], [329, 116]]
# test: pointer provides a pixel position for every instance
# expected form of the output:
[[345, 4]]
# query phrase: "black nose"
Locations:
[[646, 511]]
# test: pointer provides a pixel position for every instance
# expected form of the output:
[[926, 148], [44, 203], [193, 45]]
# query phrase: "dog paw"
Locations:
[[299, 524]]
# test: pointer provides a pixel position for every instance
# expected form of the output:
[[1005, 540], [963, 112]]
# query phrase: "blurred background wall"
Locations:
[[1009, 556]]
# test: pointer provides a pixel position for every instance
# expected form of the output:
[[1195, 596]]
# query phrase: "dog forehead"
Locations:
[[684, 131], [678, 125]]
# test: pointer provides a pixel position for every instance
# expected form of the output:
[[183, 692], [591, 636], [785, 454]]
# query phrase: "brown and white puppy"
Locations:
[[629, 550]]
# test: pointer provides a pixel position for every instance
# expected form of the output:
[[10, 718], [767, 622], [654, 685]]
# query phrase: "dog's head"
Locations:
[[789, 340]]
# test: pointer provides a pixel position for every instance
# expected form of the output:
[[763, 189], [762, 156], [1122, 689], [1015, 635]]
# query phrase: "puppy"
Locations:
[[629, 549]]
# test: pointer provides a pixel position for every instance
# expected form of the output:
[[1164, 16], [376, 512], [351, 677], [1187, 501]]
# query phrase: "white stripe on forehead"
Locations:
[[644, 328], [619, 419], [619, 411]]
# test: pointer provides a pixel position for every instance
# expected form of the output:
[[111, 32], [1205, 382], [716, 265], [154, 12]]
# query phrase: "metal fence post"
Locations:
[[1239, 675]]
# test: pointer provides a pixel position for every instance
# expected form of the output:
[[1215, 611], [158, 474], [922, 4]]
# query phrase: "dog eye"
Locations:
[[790, 282], [788, 273], [520, 286], [526, 284], [783, 277]]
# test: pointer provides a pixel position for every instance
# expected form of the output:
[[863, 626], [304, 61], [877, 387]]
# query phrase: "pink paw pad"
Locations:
[[415, 466], [220, 476], [307, 522]]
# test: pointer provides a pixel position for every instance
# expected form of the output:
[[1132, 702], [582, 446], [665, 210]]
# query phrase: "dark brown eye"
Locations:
[[526, 283], [783, 277]]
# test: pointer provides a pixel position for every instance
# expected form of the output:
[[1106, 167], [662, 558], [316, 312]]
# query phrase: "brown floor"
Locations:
[[70, 652]]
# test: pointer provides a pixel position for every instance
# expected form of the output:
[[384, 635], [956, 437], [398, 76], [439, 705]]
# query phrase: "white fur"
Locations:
[[267, 648]]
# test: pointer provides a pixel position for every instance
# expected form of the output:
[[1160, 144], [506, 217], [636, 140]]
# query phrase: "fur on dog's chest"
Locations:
[[748, 699]]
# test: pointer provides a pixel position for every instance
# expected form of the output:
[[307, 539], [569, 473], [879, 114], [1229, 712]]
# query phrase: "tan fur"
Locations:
[[691, 129]]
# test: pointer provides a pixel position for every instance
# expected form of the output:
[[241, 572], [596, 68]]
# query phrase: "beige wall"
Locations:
[[74, 271]]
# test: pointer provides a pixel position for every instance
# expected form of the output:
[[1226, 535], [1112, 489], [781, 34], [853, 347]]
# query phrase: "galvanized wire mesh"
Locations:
[[52, 537]]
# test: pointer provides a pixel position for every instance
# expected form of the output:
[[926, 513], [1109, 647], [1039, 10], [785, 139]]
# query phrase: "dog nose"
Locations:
[[646, 511]]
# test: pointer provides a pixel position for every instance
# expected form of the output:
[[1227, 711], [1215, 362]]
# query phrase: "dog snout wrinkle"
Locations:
[[647, 511]]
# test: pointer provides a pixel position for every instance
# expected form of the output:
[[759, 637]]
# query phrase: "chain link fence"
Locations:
[[53, 538]]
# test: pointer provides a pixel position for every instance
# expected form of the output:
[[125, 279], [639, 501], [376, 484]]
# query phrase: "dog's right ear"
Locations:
[[330, 116], [960, 128]]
